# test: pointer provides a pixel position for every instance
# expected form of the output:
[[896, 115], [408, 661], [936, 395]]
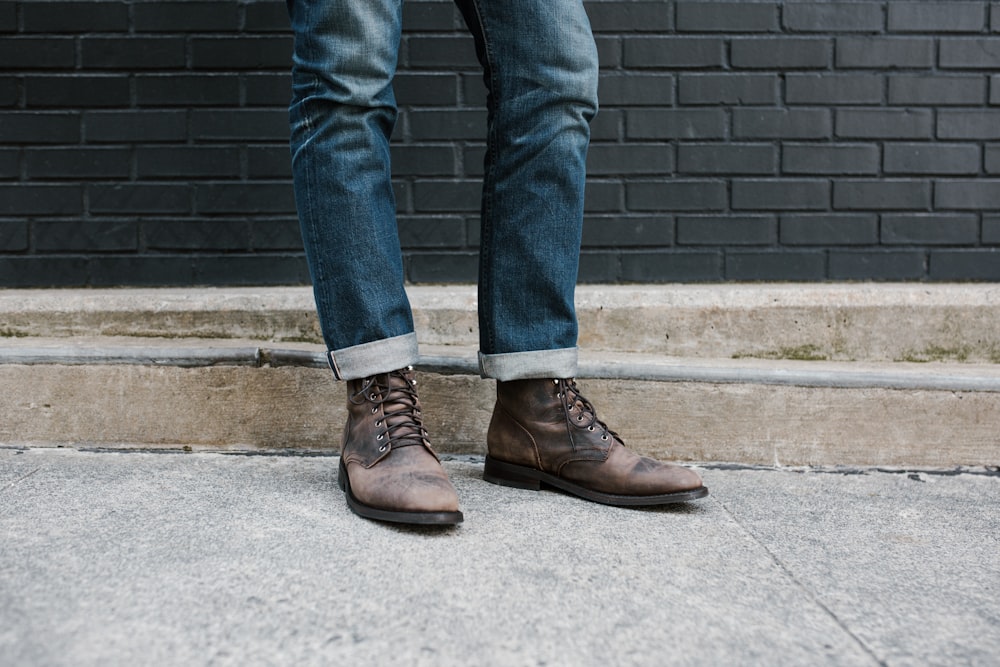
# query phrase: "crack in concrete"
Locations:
[[799, 584], [11, 485]]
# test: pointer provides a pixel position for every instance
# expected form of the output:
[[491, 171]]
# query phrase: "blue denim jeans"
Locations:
[[540, 67]]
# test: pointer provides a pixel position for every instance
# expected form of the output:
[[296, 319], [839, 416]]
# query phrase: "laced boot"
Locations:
[[388, 470], [546, 432]]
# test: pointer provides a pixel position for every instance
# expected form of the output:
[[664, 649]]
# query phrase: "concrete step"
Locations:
[[131, 392], [759, 374]]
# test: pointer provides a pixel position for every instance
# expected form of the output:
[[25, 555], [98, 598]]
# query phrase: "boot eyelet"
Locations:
[[382, 448], [372, 396], [378, 423], [604, 437], [590, 428], [374, 410], [380, 437]]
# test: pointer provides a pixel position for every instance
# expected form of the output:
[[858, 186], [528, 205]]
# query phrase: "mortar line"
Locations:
[[798, 583]]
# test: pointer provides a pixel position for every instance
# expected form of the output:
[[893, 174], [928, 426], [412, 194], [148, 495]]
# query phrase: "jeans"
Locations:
[[540, 68]]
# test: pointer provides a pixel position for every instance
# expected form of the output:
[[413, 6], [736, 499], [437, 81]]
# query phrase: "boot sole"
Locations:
[[522, 477], [369, 512]]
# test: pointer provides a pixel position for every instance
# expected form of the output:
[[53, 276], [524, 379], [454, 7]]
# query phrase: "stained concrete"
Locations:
[[213, 559]]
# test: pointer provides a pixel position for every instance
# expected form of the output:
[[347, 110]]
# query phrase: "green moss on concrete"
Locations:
[[800, 353]]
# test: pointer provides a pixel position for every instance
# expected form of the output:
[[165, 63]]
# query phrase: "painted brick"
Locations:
[[979, 194], [446, 196], [881, 195], [782, 123], [424, 160], [34, 53], [970, 53], [78, 163], [833, 89], [632, 231], [13, 236], [630, 89], [25, 199], [236, 125], [936, 90], [781, 53], [991, 229], [673, 52], [830, 159], [10, 163], [183, 16], [8, 17], [608, 125], [266, 17], [430, 267], [76, 91], [241, 53], [187, 162], [74, 17], [726, 231], [604, 196], [599, 267], [276, 234], [992, 159], [173, 90], [629, 159], [885, 123], [675, 195], [937, 16], [708, 123], [269, 162], [781, 194], [727, 16], [267, 89], [30, 128], [133, 53], [9, 92], [877, 265], [84, 235], [429, 16], [954, 124], [44, 271], [834, 16], [791, 265], [930, 229], [134, 126], [828, 229], [196, 234], [212, 199], [609, 51], [132, 199], [965, 264], [432, 232], [885, 52], [236, 269], [629, 16], [932, 158], [727, 158], [744, 89], [441, 52], [447, 124], [139, 270], [428, 89], [672, 267], [995, 89]]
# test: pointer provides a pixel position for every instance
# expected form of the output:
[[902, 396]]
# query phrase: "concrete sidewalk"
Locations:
[[212, 559]]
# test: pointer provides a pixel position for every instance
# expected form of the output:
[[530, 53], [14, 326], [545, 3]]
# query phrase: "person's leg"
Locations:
[[540, 69], [342, 114], [540, 66]]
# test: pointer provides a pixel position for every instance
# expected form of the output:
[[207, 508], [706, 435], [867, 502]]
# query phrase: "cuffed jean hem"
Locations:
[[380, 356], [529, 365]]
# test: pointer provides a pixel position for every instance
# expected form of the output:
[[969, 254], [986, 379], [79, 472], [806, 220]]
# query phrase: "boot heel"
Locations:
[[342, 476], [508, 474]]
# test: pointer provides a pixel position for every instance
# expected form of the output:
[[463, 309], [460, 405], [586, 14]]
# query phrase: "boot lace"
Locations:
[[580, 412], [396, 394]]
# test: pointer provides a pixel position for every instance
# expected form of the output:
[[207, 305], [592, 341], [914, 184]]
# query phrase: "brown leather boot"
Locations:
[[546, 432], [388, 470]]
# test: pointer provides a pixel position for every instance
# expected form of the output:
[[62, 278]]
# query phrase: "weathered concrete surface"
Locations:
[[888, 322], [253, 408], [235, 560]]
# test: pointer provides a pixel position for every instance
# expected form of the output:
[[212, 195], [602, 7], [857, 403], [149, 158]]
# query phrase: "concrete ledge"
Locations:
[[845, 322]]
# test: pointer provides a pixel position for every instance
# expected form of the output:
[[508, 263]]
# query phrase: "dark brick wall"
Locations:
[[144, 143]]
